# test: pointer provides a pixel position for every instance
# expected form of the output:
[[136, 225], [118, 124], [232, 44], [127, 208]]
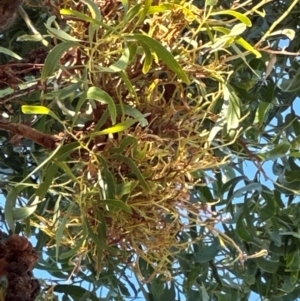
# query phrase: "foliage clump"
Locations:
[[136, 173], [136, 100]]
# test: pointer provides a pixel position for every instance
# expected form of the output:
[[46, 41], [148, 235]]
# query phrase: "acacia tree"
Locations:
[[128, 132]]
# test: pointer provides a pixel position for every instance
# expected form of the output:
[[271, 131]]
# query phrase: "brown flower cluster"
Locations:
[[17, 259]]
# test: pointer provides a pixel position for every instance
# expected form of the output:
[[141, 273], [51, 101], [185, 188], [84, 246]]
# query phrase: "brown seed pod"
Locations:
[[8, 12]]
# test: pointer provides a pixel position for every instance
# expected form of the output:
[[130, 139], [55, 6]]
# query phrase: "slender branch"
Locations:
[[29, 24], [295, 2], [47, 141]]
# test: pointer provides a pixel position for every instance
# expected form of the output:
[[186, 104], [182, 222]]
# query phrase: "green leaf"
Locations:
[[72, 91], [132, 13], [292, 84], [290, 33], [262, 112], [53, 59], [24, 212], [59, 33], [277, 152], [49, 175], [133, 168], [84, 17], [130, 111], [235, 14], [74, 291], [117, 205], [10, 204], [94, 9], [74, 249], [242, 230], [248, 47], [163, 54], [109, 179], [161, 291], [233, 111], [119, 127], [128, 83], [269, 266], [237, 29], [127, 141], [119, 65], [101, 96], [207, 253], [246, 189], [64, 166], [10, 53], [211, 2], [148, 59], [61, 228], [39, 110]]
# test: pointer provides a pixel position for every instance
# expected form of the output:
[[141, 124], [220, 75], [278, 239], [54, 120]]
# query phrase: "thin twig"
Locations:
[[276, 23]]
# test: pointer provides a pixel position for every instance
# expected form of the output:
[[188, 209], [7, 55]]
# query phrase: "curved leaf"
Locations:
[[162, 53], [53, 59]]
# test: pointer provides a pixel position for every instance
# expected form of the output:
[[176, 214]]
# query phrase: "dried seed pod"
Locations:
[[8, 12]]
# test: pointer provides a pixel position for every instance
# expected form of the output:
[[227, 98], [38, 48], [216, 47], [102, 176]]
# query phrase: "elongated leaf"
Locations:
[[261, 112], [248, 47], [130, 111], [290, 33], [119, 65], [148, 60], [235, 14], [119, 127], [134, 169], [237, 29], [109, 179], [128, 141], [39, 110], [10, 205], [47, 181], [267, 265], [53, 59], [84, 17], [117, 205], [70, 91], [101, 96], [24, 212], [67, 169], [233, 110], [291, 84], [10, 53], [128, 83], [74, 291], [61, 229], [242, 230], [60, 34], [94, 9], [163, 54], [277, 152], [247, 188], [207, 253]]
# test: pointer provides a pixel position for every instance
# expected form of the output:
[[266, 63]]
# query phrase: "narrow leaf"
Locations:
[[10, 53], [101, 96], [53, 59], [39, 110], [235, 14], [134, 169], [163, 54]]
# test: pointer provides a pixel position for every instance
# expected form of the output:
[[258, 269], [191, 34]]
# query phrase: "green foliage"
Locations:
[[144, 120]]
